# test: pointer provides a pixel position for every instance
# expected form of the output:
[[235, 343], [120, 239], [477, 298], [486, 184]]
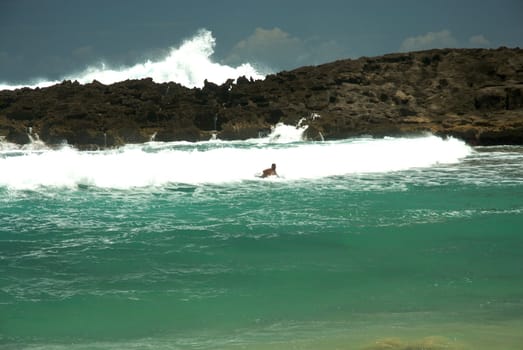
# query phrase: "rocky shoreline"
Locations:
[[472, 94]]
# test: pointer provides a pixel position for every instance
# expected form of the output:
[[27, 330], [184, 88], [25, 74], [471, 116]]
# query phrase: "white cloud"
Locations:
[[280, 50], [431, 40], [264, 45], [262, 39], [479, 41]]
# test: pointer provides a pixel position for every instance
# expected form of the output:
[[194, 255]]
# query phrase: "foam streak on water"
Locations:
[[158, 164]]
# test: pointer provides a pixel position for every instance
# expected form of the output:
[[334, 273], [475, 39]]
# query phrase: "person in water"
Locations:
[[270, 172]]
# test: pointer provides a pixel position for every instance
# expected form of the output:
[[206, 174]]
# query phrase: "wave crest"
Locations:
[[216, 162]]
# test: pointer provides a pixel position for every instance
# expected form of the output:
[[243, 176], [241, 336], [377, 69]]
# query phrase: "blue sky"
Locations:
[[52, 38]]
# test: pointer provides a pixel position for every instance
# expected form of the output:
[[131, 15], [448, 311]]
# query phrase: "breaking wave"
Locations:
[[219, 162], [190, 65]]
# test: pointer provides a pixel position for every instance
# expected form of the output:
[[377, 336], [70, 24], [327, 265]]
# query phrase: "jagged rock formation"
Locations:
[[473, 94]]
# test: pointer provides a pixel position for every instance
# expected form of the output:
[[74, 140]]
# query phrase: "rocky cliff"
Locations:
[[472, 94]]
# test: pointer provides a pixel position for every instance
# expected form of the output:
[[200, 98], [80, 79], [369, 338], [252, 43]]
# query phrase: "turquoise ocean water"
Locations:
[[413, 243]]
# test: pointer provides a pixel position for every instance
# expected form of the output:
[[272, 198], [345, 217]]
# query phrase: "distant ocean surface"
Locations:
[[395, 243]]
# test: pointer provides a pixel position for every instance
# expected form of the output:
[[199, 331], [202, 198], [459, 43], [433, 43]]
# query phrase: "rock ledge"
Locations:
[[473, 94]]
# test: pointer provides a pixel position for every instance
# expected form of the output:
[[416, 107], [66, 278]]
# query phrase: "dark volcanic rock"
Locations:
[[473, 94]]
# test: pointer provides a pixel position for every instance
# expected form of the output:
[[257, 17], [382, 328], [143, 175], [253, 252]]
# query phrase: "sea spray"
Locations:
[[283, 133], [190, 65]]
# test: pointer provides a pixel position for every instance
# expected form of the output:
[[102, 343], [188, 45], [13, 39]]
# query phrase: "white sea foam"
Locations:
[[158, 163], [189, 64]]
